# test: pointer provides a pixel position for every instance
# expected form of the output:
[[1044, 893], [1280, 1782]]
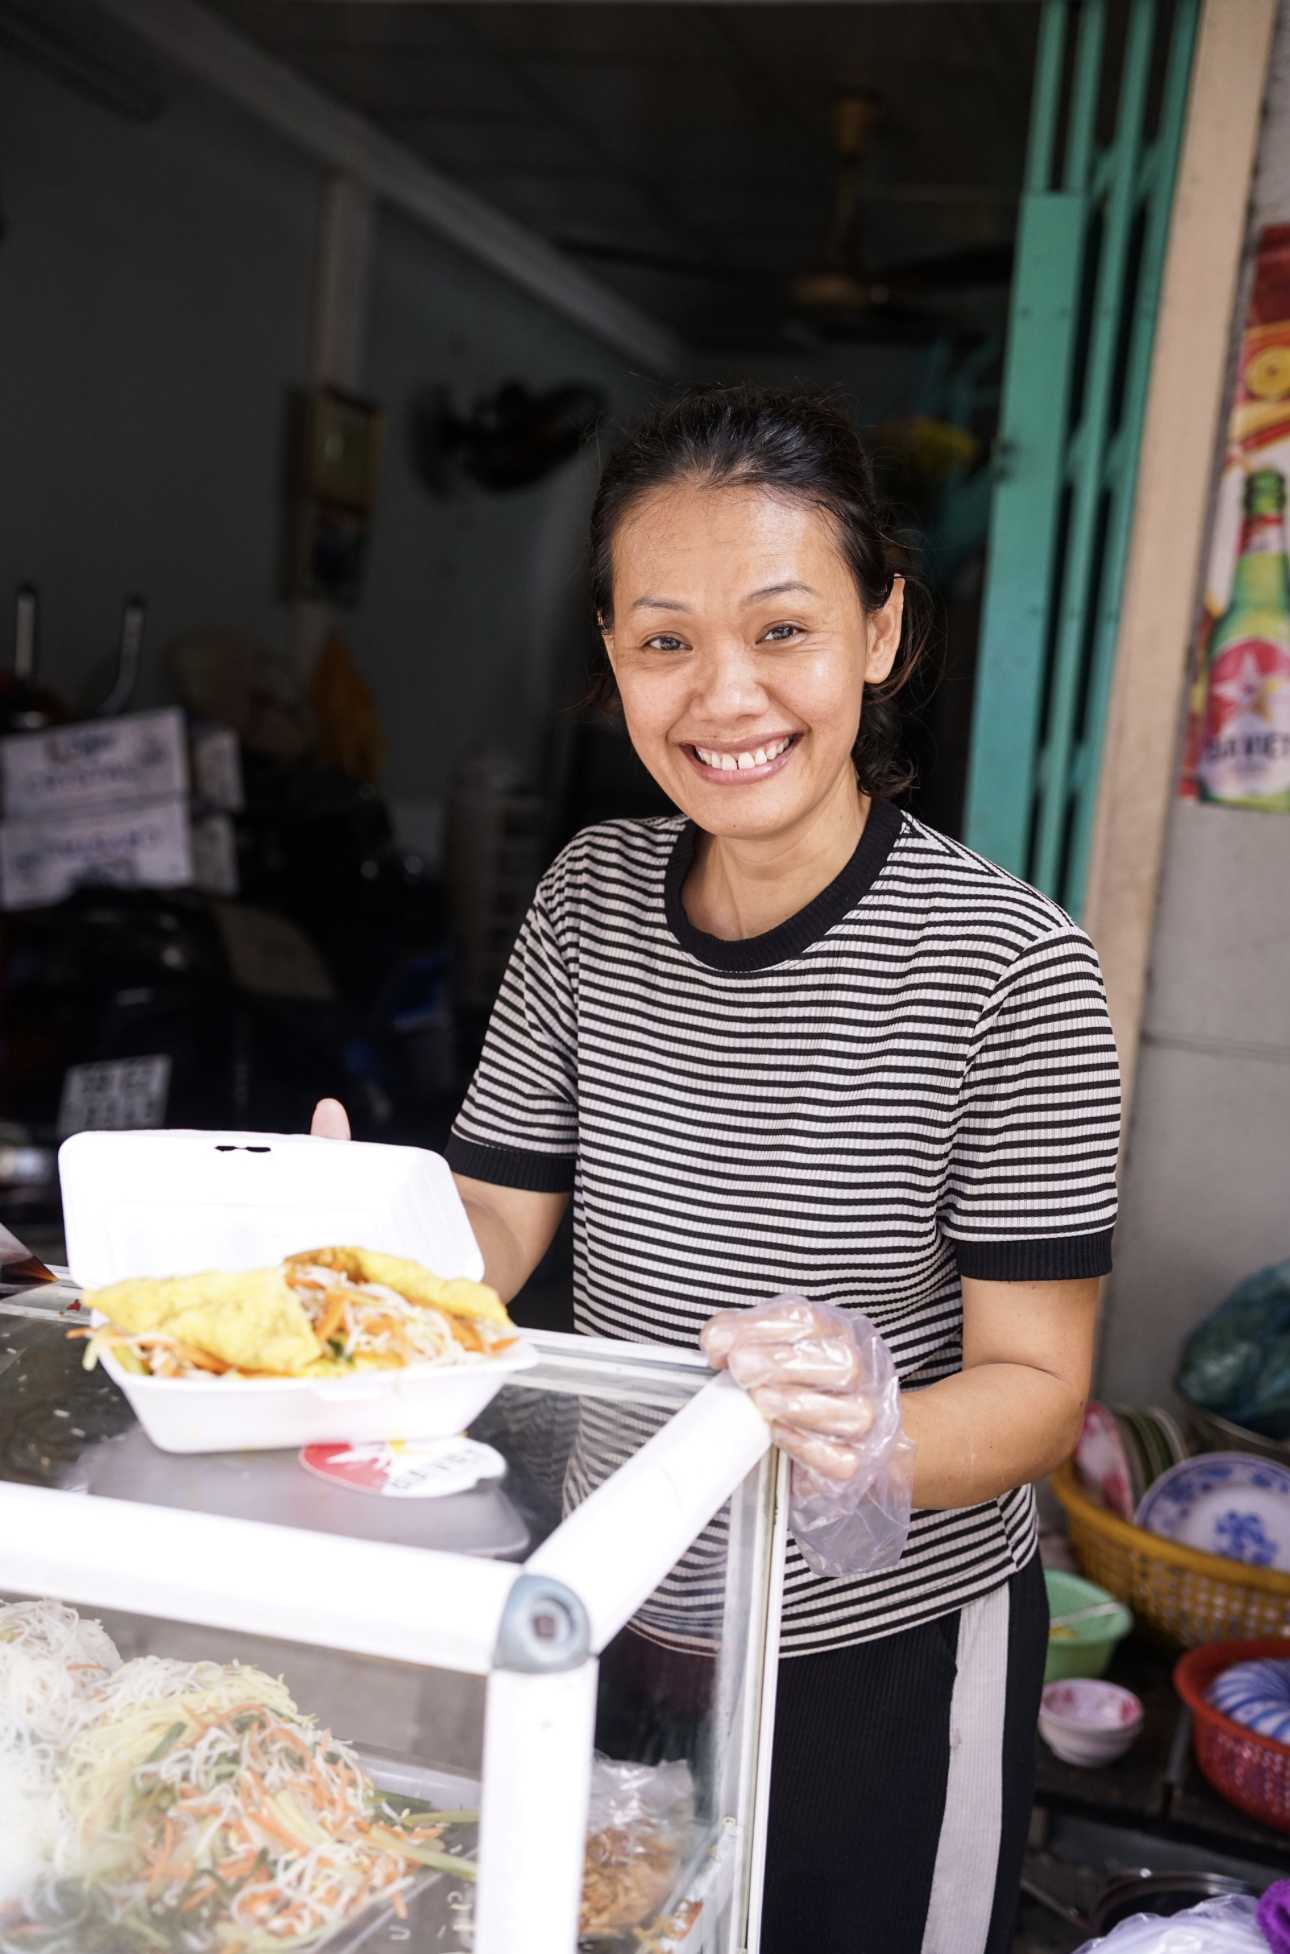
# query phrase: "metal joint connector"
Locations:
[[544, 1627]]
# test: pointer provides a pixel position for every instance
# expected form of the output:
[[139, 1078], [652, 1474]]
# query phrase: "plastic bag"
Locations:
[[640, 1834], [849, 1515], [1224, 1926], [1274, 1916], [1237, 1359]]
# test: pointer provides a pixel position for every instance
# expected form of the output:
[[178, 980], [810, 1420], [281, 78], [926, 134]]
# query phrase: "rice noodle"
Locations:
[[53, 1668], [184, 1806], [139, 1705]]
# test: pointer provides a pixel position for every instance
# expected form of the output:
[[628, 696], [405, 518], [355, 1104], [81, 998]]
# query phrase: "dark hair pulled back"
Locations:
[[796, 444]]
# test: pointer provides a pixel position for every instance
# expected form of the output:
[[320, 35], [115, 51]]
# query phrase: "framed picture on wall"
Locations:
[[344, 437]]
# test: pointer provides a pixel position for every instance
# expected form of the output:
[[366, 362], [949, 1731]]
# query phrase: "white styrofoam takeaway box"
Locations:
[[172, 1203], [175, 1202], [268, 1414]]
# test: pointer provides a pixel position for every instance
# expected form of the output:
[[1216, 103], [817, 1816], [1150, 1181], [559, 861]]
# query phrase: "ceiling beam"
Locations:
[[343, 141], [685, 2], [688, 3]]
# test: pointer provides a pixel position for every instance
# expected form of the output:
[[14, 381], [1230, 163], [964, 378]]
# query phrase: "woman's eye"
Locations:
[[780, 634], [664, 642]]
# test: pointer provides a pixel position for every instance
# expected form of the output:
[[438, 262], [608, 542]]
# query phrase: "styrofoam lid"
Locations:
[[173, 1203]]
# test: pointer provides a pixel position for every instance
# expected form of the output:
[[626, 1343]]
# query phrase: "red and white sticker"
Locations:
[[413, 1468]]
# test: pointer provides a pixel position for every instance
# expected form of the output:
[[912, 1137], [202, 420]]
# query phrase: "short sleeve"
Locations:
[[1030, 1191], [519, 1124]]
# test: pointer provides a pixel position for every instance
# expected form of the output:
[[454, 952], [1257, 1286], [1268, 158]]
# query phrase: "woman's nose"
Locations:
[[729, 686]]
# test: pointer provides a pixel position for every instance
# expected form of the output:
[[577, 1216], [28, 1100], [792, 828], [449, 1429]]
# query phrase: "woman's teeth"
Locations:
[[741, 762]]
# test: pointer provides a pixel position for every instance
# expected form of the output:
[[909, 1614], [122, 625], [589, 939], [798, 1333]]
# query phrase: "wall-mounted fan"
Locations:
[[509, 441], [842, 283]]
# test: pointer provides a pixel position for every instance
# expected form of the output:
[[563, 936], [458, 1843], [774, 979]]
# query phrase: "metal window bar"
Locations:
[[1085, 296]]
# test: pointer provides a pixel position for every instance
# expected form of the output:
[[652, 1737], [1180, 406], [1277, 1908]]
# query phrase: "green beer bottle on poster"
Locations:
[[1245, 746]]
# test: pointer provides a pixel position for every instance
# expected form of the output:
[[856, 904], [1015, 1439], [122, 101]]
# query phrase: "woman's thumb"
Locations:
[[330, 1121]]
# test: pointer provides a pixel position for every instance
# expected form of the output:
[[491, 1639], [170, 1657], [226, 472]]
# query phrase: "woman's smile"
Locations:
[[740, 763]]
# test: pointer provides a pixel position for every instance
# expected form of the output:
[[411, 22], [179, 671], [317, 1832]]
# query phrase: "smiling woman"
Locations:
[[793, 1041], [757, 637], [742, 649]]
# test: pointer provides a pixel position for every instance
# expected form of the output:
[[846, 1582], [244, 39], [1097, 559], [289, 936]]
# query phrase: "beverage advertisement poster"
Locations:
[[1237, 751]]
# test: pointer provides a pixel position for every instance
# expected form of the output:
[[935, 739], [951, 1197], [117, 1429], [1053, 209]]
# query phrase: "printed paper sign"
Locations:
[[141, 847], [214, 855], [117, 1095], [105, 763]]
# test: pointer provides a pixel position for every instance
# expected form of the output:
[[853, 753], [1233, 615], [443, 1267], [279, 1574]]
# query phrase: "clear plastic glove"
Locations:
[[825, 1381]]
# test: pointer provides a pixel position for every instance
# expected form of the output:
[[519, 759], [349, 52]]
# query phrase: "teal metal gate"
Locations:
[[1106, 128]]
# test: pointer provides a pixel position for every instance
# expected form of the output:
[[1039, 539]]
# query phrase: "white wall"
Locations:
[[155, 306], [470, 598], [1206, 1188]]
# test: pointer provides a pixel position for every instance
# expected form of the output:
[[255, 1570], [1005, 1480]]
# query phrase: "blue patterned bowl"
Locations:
[[1228, 1503], [1256, 1694]]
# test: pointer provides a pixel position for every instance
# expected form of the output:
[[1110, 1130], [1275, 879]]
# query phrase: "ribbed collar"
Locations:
[[790, 938]]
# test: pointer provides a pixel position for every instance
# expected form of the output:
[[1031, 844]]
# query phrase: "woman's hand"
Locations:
[[805, 1377], [1008, 1416]]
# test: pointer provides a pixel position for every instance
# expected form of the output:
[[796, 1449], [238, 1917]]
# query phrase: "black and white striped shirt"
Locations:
[[910, 1081]]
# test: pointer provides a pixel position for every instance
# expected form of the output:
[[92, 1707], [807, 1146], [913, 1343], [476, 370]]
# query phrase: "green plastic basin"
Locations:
[[1088, 1652]]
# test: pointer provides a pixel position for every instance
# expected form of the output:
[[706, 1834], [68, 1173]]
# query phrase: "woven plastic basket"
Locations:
[[1250, 1771], [1178, 1595]]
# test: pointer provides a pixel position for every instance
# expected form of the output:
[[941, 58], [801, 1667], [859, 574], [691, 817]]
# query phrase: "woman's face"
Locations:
[[741, 651]]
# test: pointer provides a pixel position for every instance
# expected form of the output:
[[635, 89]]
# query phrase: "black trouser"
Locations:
[[876, 1845]]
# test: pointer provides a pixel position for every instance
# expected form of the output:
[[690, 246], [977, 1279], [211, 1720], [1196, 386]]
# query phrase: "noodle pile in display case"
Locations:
[[169, 1805]]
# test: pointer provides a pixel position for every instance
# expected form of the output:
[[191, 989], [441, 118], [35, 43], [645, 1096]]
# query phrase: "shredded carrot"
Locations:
[[201, 1360], [167, 1847], [336, 1300]]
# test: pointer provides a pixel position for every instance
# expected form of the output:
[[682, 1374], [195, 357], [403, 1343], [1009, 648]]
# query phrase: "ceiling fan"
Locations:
[[841, 284]]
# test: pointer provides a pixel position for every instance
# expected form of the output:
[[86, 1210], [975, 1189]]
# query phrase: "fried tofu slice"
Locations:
[[460, 1297], [251, 1319]]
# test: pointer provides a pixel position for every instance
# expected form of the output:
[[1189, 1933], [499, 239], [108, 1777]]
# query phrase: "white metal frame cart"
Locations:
[[173, 1545]]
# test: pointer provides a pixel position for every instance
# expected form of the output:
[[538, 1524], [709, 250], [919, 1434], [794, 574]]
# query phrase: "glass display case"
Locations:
[[550, 1691]]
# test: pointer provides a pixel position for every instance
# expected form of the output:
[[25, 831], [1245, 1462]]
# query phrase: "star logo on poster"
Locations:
[[1250, 690]]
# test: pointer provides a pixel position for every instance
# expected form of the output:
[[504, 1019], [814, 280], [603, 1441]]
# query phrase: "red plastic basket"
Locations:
[[1250, 1771]]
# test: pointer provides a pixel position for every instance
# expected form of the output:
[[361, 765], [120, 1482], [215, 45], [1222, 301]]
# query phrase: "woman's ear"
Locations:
[[884, 634]]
